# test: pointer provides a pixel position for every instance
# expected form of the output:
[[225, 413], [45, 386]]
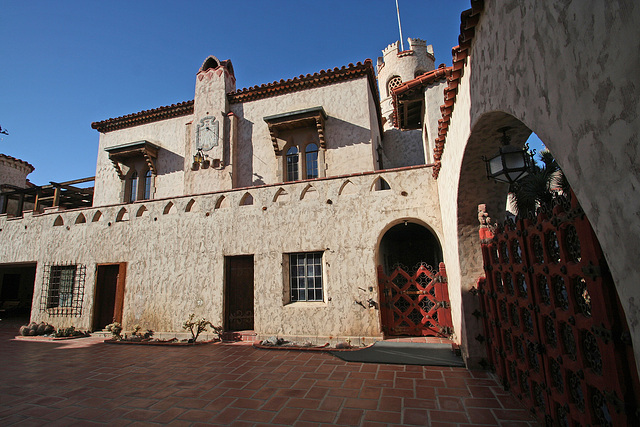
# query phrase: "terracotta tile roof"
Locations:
[[295, 84], [421, 81], [322, 78], [468, 21], [21, 162], [146, 116]]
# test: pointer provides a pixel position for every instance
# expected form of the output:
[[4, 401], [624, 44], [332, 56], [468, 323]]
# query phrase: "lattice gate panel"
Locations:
[[415, 304], [556, 332]]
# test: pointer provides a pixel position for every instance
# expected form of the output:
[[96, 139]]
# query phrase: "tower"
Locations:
[[396, 67]]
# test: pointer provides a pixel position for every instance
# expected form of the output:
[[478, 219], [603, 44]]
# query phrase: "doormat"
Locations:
[[400, 353]]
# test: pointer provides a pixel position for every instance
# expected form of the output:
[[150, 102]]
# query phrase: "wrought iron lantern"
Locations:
[[199, 156], [510, 164]]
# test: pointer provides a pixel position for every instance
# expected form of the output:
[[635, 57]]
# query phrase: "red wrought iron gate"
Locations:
[[415, 304], [555, 330]]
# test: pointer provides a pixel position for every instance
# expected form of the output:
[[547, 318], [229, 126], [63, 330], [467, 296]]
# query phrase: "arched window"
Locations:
[[147, 186], [133, 187], [292, 164], [311, 161], [394, 82]]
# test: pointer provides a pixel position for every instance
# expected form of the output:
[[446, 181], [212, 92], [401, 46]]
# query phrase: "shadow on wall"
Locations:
[[403, 148], [340, 133], [169, 162]]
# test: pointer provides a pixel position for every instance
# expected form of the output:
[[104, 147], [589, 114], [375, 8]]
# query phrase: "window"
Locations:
[[305, 276], [133, 187], [147, 186], [311, 161], [61, 286], [292, 164], [394, 82], [63, 289]]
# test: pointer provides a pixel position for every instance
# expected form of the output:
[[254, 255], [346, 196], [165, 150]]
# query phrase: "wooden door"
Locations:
[[239, 293], [109, 295]]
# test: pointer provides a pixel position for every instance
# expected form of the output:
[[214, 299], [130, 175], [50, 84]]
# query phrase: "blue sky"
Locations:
[[66, 64]]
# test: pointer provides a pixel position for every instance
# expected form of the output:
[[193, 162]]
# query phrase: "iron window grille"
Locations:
[[306, 276], [63, 289]]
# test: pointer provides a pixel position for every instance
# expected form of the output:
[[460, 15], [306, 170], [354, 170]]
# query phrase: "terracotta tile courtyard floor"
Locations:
[[86, 382]]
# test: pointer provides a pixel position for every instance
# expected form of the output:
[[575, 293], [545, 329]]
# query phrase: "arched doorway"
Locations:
[[409, 244], [414, 298]]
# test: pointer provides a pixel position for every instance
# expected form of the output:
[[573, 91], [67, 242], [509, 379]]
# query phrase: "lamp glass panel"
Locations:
[[495, 165]]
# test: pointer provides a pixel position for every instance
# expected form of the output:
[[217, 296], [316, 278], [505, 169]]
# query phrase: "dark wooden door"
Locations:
[[109, 296], [239, 293]]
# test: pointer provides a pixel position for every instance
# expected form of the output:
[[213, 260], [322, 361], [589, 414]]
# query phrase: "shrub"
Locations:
[[196, 327]]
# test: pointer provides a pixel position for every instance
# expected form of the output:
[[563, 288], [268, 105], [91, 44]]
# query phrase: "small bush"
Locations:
[[196, 327]]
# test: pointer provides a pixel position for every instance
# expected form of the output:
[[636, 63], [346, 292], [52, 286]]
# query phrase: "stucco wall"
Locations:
[[347, 131], [176, 260], [13, 172], [169, 135], [568, 71]]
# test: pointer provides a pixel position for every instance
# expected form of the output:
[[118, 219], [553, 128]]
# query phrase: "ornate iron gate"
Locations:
[[415, 304], [555, 330]]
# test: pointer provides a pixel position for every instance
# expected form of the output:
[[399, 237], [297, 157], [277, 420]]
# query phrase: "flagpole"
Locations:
[[399, 27]]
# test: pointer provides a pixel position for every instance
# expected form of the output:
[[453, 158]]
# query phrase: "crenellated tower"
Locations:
[[396, 67]]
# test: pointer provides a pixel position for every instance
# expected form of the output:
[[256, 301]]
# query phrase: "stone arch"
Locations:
[[97, 216], [246, 200], [380, 184], [142, 211], [81, 219], [169, 208], [210, 63], [123, 215], [347, 188], [309, 193], [58, 222], [281, 196], [192, 206], [222, 202]]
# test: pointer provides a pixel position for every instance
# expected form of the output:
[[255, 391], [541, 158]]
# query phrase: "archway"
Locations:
[[546, 296], [409, 244], [414, 297]]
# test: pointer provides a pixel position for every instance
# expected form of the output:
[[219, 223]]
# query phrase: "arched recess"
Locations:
[[97, 216], [192, 206], [410, 243], [380, 184], [347, 188], [142, 211], [222, 202], [58, 222], [309, 193], [169, 208], [81, 219], [247, 199], [281, 196], [123, 215]]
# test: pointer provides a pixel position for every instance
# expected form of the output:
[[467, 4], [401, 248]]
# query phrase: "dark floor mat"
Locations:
[[399, 353]]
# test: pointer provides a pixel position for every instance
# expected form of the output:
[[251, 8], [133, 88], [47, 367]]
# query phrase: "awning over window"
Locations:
[[124, 153], [310, 117]]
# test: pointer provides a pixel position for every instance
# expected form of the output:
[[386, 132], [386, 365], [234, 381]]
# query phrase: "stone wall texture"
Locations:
[[175, 259], [568, 72]]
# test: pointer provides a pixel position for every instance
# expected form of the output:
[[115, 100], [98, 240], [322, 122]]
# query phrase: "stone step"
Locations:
[[232, 336]]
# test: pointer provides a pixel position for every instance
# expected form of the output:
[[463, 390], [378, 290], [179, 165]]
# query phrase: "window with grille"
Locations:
[[305, 276], [394, 82], [63, 289]]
